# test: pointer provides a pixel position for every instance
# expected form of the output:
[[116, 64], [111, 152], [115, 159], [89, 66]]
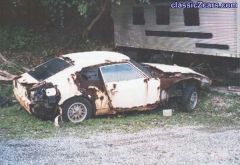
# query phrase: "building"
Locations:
[[197, 31]]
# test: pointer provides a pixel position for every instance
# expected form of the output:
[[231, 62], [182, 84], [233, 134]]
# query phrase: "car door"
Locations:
[[128, 87]]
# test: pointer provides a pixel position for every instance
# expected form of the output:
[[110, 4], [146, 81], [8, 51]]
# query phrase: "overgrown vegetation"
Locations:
[[6, 90], [29, 48], [57, 12], [25, 39], [37, 30], [211, 112], [18, 38]]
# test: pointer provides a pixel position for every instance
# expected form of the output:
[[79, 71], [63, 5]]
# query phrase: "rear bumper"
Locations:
[[23, 100], [43, 107], [41, 111]]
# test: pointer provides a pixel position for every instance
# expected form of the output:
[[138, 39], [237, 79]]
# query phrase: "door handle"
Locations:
[[113, 90]]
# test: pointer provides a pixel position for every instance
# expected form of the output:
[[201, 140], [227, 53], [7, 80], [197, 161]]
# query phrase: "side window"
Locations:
[[138, 15], [119, 72], [89, 74], [162, 15], [191, 17]]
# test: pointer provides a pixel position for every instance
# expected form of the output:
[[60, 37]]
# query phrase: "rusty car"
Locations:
[[80, 85]]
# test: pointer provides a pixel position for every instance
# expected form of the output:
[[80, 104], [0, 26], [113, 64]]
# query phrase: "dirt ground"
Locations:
[[175, 145]]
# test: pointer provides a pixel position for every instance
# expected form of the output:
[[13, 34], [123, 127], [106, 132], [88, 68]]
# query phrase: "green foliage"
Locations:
[[20, 42], [16, 38], [57, 8], [6, 90]]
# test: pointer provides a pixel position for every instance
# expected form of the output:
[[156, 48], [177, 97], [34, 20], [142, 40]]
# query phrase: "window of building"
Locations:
[[162, 15], [138, 15], [191, 17]]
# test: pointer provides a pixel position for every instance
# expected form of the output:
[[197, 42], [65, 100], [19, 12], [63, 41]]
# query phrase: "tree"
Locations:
[[90, 10]]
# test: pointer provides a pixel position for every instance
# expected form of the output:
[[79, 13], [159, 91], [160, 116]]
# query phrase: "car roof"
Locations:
[[85, 59]]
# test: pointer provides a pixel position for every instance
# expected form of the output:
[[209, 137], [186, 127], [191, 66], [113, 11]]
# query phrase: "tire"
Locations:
[[77, 110], [189, 98]]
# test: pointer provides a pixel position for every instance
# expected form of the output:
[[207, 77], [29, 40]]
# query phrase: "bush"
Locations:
[[6, 90], [17, 38]]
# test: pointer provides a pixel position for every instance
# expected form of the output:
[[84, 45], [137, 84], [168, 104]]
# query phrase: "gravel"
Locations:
[[176, 145]]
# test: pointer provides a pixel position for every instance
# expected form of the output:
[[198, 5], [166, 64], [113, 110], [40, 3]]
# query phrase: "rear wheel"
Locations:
[[189, 98], [77, 110]]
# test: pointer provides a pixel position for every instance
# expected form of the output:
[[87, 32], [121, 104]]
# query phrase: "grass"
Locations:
[[214, 110]]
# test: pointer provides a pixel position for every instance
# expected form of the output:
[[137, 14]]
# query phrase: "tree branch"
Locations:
[[94, 21], [4, 60], [6, 77]]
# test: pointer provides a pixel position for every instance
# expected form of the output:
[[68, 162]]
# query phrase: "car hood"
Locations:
[[173, 69]]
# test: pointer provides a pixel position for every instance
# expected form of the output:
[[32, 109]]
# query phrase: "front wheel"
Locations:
[[77, 110], [189, 98]]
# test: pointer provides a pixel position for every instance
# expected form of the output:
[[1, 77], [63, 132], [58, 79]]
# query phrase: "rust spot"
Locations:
[[97, 92], [168, 79], [73, 76], [25, 104], [92, 92], [140, 108], [146, 80], [17, 77], [38, 85], [67, 59], [166, 82]]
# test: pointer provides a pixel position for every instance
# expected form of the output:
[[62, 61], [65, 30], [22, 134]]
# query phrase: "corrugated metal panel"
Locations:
[[238, 29], [222, 23]]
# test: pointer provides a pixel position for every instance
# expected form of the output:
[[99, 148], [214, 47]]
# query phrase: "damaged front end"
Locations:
[[44, 99], [39, 99]]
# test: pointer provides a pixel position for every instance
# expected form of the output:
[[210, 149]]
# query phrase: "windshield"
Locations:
[[141, 67], [48, 69]]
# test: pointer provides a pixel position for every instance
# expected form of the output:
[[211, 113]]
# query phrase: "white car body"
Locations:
[[143, 93]]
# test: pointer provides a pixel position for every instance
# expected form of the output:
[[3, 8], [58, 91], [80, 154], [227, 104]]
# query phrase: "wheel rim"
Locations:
[[77, 112], [193, 100]]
